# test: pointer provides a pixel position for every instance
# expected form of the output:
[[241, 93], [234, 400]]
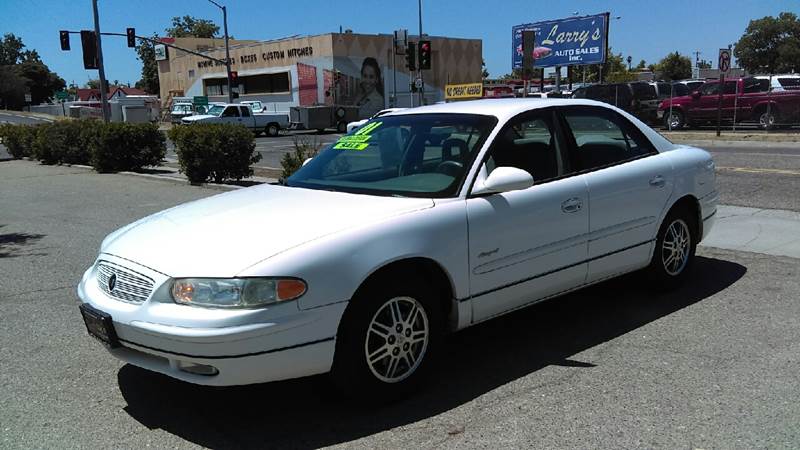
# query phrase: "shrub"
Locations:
[[214, 151], [66, 142], [127, 146], [293, 161], [18, 139]]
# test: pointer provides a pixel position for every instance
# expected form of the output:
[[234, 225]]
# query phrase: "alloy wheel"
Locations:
[[397, 338], [675, 247]]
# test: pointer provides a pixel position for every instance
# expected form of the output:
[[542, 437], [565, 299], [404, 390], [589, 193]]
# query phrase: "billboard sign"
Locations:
[[566, 42], [463, 91]]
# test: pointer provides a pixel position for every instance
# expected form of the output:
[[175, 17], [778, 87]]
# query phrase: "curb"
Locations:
[[732, 137]]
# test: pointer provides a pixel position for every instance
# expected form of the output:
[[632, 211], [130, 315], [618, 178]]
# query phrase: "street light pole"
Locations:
[[422, 81], [101, 70], [227, 47]]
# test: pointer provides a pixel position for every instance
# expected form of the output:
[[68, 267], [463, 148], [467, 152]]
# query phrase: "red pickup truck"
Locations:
[[743, 100]]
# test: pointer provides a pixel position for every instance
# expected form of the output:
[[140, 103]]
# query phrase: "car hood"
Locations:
[[222, 235]]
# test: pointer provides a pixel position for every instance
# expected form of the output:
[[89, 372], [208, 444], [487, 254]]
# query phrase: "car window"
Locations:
[[245, 111], [602, 137], [231, 111], [529, 143], [730, 87], [663, 90], [679, 90], [644, 91], [414, 155], [790, 83], [709, 89]]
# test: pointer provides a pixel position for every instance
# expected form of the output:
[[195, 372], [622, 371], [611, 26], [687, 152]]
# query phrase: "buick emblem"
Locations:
[[112, 281]]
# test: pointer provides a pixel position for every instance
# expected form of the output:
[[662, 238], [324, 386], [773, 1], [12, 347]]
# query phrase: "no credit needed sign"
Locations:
[[724, 62]]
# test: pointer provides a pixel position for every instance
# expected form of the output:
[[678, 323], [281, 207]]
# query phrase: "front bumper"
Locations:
[[243, 346]]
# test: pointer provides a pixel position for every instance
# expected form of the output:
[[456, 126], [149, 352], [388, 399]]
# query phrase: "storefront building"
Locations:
[[335, 68]]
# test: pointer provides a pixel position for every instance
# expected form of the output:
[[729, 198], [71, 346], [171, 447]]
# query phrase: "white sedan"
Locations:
[[419, 223], [353, 125]]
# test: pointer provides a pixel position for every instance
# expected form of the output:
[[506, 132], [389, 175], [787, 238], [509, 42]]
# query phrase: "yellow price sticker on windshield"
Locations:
[[359, 140], [351, 145]]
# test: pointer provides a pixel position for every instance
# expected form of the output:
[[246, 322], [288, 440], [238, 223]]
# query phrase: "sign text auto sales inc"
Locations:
[[275, 55]]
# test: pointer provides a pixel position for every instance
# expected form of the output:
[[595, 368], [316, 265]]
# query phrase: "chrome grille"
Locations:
[[130, 286]]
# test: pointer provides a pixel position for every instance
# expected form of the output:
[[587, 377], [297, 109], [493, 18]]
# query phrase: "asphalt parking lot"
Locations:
[[712, 365]]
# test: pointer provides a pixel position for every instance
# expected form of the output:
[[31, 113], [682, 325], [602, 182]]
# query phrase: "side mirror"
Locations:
[[306, 161], [695, 94], [504, 179]]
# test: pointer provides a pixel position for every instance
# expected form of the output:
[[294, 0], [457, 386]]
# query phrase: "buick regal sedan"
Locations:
[[421, 222]]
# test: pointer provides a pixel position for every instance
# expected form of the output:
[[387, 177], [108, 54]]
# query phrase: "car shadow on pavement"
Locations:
[[11, 244], [302, 414]]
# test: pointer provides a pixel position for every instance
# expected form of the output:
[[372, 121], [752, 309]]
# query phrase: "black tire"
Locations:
[[679, 120], [341, 127], [272, 129], [767, 120], [352, 374], [668, 270]]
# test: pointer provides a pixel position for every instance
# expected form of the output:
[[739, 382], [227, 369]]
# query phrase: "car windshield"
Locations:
[[182, 108], [413, 155], [216, 110]]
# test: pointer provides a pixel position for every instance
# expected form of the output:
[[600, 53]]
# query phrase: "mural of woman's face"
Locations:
[[369, 78]]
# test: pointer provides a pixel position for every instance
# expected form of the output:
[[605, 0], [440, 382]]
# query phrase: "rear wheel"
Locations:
[[385, 341], [675, 249], [272, 129]]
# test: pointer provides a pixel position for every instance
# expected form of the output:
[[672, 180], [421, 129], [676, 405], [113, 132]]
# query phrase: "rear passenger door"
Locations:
[[628, 181]]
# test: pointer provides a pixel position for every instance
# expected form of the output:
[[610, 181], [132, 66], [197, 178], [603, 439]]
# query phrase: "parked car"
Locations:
[[692, 84], [665, 89], [743, 99], [179, 111], [638, 98], [790, 82], [353, 125], [388, 239], [242, 114]]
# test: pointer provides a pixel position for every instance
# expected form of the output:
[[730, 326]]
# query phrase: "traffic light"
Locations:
[[337, 78], [424, 55], [89, 45], [411, 56], [234, 76], [131, 37], [64, 36]]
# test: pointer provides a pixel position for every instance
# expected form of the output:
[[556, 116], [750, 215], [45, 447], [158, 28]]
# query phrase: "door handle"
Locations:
[[571, 205], [658, 181]]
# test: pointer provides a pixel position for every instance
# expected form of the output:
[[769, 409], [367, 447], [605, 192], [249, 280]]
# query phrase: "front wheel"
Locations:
[[675, 249], [767, 120], [674, 120], [385, 341]]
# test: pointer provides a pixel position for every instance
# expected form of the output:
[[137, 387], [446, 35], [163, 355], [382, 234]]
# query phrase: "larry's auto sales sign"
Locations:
[[566, 42]]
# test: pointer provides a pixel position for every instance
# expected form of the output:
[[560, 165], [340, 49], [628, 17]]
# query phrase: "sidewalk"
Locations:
[[753, 136], [768, 231]]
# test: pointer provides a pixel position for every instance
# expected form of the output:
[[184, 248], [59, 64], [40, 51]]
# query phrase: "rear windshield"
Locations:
[[644, 91]]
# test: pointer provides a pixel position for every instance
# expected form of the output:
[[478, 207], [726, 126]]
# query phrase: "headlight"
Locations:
[[236, 292]]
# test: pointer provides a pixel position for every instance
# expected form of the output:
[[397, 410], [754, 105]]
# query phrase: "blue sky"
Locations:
[[647, 30]]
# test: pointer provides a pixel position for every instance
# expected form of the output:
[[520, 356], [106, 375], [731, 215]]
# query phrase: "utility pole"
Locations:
[[227, 47], [696, 71], [101, 70], [422, 84]]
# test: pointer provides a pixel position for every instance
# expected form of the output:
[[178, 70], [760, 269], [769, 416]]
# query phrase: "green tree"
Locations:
[[642, 64], [704, 64], [674, 67], [770, 44], [11, 50], [484, 72], [12, 88], [188, 26], [93, 84], [41, 82], [146, 53]]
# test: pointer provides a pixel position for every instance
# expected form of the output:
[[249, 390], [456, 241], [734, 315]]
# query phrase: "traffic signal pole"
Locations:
[[101, 69], [422, 80]]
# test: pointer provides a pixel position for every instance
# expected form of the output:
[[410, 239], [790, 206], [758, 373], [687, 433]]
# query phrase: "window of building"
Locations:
[[268, 83]]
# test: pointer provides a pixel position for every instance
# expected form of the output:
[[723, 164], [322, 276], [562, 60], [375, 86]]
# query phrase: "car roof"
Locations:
[[502, 108]]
